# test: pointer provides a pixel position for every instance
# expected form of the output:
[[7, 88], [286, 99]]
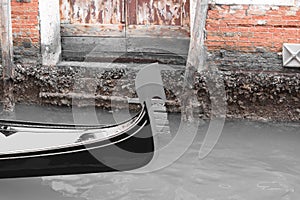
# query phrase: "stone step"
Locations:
[[132, 49], [112, 65]]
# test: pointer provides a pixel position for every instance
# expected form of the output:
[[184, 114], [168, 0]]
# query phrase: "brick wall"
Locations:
[[235, 28], [252, 28], [26, 33]]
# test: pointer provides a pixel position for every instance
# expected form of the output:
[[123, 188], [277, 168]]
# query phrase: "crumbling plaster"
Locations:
[[50, 32]]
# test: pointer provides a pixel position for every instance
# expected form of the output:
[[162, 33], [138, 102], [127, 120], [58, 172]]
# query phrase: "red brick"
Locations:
[[214, 38], [230, 43], [265, 35], [263, 29], [244, 39], [240, 14], [248, 49], [280, 26], [213, 14], [25, 21], [244, 44], [212, 27], [225, 7], [262, 17], [289, 18], [215, 43], [229, 29], [295, 23]]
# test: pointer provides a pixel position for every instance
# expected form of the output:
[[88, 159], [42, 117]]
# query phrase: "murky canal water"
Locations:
[[252, 161]]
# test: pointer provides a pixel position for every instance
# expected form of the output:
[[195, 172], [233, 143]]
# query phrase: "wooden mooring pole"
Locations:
[[197, 51], [7, 56], [196, 60]]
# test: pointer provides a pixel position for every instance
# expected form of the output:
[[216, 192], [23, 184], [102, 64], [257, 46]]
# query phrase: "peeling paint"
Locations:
[[121, 18], [91, 12], [148, 12], [163, 12]]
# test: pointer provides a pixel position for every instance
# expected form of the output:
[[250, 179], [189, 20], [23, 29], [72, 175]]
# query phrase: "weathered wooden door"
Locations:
[[158, 18], [92, 18], [95, 30]]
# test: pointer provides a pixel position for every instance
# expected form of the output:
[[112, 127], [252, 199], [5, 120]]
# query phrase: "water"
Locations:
[[252, 161]]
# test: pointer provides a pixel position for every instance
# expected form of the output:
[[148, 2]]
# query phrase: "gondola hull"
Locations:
[[127, 151]]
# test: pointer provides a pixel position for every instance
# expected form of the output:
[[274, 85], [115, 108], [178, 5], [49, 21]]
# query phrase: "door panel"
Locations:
[[158, 18], [92, 18], [129, 30]]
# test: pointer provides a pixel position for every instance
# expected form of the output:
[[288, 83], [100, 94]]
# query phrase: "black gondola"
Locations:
[[92, 149]]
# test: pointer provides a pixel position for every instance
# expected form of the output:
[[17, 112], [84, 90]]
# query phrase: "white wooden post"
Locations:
[[7, 56], [50, 32], [197, 50], [196, 60]]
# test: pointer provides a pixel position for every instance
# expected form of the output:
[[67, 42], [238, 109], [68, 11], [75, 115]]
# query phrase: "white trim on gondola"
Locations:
[[89, 142], [79, 150]]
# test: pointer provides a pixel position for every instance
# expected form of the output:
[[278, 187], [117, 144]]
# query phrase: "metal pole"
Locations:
[[8, 67]]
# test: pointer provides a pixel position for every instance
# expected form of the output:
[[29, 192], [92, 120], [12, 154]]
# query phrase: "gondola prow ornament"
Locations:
[[150, 89]]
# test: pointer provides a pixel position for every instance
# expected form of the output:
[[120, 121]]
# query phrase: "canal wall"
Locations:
[[251, 93], [244, 40]]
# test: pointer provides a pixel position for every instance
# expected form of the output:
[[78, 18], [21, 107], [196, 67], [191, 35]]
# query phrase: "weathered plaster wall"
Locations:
[[50, 32], [192, 12]]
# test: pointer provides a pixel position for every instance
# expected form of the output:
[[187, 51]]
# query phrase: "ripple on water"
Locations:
[[243, 166]]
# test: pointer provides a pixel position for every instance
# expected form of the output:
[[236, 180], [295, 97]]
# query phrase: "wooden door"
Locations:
[[91, 29], [99, 30], [102, 18], [158, 18], [158, 30]]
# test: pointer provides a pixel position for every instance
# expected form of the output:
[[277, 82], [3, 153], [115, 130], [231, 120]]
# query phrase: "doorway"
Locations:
[[125, 30]]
